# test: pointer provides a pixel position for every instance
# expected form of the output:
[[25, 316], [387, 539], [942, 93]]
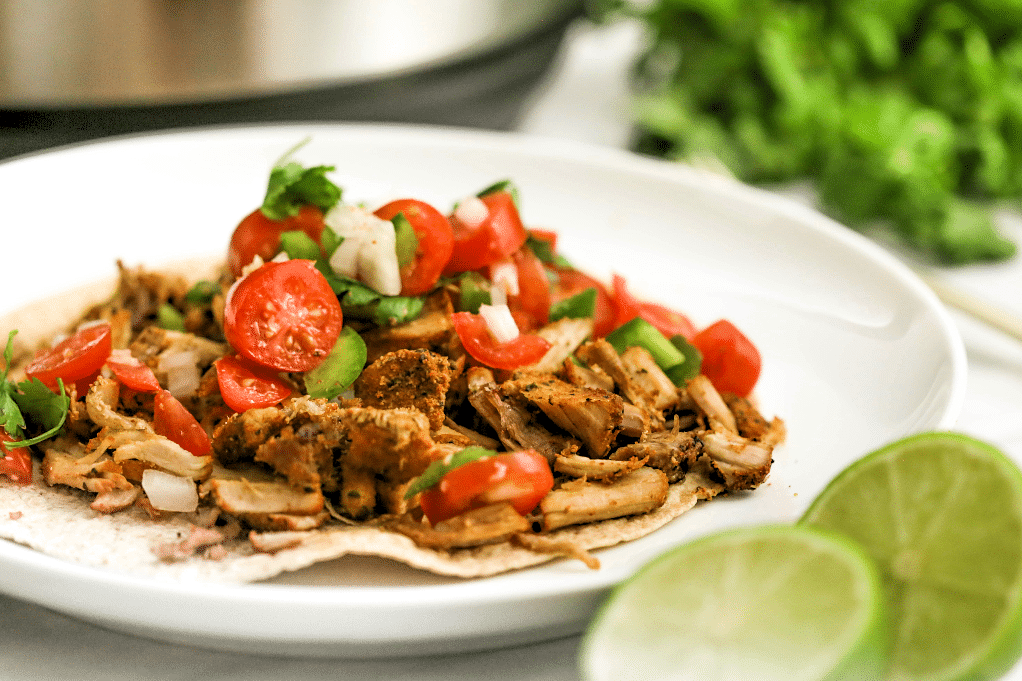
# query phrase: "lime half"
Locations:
[[773, 602], [941, 514]]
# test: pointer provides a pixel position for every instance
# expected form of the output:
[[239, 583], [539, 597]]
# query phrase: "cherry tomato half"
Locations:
[[730, 360], [476, 338], [15, 463], [666, 320], [521, 479], [499, 235], [436, 243], [531, 307], [246, 386], [173, 421], [572, 282], [131, 372], [76, 359], [284, 316], [258, 235]]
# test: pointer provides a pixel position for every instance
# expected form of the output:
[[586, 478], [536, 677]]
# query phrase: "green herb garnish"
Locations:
[[292, 186], [905, 117], [203, 292], [438, 469], [42, 407]]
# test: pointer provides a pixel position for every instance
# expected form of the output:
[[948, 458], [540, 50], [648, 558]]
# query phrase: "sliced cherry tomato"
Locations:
[[173, 421], [15, 463], [258, 235], [572, 282], [531, 307], [284, 316], [436, 243], [666, 320], [76, 359], [730, 360], [132, 372], [476, 338], [499, 235], [521, 479], [247, 386]]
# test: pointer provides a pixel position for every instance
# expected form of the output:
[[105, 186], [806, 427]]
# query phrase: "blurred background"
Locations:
[[73, 70]]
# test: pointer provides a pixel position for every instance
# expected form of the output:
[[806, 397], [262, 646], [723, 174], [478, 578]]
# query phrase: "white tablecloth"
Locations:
[[584, 100]]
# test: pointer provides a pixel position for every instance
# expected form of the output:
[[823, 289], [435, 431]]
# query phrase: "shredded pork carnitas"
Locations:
[[616, 431]]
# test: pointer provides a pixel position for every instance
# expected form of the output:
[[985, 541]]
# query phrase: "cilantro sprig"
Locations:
[[44, 409], [292, 186]]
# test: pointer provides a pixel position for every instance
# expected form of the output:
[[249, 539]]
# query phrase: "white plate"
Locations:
[[856, 351]]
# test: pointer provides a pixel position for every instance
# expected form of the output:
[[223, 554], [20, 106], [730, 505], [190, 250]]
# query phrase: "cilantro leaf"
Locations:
[[292, 186], [358, 301], [42, 406], [29, 398], [11, 419], [438, 469]]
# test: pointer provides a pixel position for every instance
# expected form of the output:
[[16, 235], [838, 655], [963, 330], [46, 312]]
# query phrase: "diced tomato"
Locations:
[[173, 421], [16, 463], [131, 372], [436, 243], [531, 307], [284, 316], [667, 321], [247, 386], [480, 344], [546, 235], [258, 235], [76, 359], [520, 478], [730, 360], [572, 282], [499, 235]]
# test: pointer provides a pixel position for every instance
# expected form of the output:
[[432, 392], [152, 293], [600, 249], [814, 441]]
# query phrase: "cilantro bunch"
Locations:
[[28, 402], [905, 115]]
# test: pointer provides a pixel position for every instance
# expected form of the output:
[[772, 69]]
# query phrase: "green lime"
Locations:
[[771, 602], [941, 514]]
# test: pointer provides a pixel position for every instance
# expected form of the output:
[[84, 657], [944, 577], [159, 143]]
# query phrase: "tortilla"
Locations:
[[57, 521]]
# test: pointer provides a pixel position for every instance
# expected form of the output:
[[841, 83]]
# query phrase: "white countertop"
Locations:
[[584, 100]]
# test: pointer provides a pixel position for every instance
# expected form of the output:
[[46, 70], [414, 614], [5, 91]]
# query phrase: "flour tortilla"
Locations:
[[57, 521]]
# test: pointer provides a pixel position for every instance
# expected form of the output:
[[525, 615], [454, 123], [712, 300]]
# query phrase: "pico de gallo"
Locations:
[[331, 322]]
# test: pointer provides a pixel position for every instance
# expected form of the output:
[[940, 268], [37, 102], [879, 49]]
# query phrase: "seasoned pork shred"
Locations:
[[617, 433]]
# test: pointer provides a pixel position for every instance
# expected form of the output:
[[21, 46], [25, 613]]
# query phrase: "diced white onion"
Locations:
[[124, 356], [182, 369], [471, 212], [169, 492], [504, 275], [257, 262], [499, 322], [498, 295], [368, 251]]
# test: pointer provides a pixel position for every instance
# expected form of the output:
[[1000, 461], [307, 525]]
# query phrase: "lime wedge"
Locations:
[[941, 514], [772, 602]]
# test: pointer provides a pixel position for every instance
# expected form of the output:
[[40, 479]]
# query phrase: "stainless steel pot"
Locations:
[[85, 53]]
